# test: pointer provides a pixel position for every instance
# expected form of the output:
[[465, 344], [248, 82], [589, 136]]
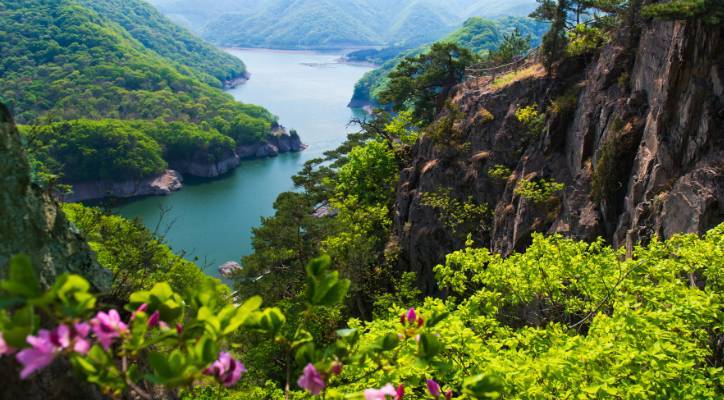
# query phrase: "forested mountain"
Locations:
[[480, 35], [331, 23], [554, 229], [118, 59]]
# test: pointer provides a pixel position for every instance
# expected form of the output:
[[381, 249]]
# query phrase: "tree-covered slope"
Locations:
[[67, 62], [331, 23], [145, 24], [480, 35]]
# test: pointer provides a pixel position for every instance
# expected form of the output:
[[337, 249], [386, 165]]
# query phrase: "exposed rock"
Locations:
[[33, 224], [161, 184], [239, 80], [641, 152], [266, 149], [207, 166]]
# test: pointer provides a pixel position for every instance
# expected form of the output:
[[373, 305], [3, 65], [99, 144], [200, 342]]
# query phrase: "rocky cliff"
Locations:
[[33, 224], [633, 131]]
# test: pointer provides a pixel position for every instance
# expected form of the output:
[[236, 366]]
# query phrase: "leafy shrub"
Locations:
[[538, 190], [454, 213], [711, 11], [584, 39], [532, 119], [565, 103], [499, 171]]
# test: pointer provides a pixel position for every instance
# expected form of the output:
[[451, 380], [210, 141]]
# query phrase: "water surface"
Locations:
[[212, 219]]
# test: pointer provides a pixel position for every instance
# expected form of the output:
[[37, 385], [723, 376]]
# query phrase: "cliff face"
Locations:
[[634, 132], [33, 224]]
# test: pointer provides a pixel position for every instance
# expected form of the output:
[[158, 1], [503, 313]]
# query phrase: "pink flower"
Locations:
[[226, 369], [434, 388], [39, 356], [81, 344], [380, 394], [400, 393], [107, 327], [154, 319], [336, 367], [411, 316], [179, 328], [4, 348], [448, 394], [311, 380]]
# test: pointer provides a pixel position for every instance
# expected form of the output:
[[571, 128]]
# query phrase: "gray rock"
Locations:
[[161, 184]]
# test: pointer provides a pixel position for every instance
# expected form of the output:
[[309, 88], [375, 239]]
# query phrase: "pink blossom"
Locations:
[[411, 316], [39, 356], [107, 327], [380, 394], [400, 393], [81, 344], [311, 380], [434, 388], [226, 369], [179, 328], [336, 367], [154, 319], [448, 394], [4, 348]]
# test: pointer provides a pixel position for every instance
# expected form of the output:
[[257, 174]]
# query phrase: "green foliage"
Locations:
[[565, 103], [456, 214], [143, 350], [155, 32], [584, 39], [110, 59], [499, 171], [136, 256], [479, 35], [96, 150], [369, 173], [513, 45], [538, 190], [423, 83], [710, 11], [532, 119]]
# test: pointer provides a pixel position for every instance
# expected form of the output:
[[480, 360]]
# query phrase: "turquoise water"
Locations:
[[212, 219]]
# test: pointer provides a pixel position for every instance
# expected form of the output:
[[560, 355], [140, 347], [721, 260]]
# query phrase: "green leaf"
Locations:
[[483, 387], [272, 320], [23, 280], [429, 346]]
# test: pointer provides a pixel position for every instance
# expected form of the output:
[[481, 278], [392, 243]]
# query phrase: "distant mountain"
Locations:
[[331, 23], [477, 34]]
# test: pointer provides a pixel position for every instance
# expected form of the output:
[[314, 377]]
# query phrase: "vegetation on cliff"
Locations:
[[479, 35]]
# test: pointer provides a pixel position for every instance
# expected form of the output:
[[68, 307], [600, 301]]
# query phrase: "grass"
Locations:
[[514, 76]]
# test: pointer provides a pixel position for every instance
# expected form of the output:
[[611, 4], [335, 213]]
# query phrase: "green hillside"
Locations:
[[146, 25], [121, 60], [478, 34], [319, 24]]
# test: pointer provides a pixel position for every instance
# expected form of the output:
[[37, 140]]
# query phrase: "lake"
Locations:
[[212, 219]]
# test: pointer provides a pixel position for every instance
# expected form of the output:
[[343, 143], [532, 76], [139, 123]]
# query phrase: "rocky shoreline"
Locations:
[[239, 80], [171, 180]]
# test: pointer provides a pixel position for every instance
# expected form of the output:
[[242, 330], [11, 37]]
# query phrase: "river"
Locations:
[[210, 221]]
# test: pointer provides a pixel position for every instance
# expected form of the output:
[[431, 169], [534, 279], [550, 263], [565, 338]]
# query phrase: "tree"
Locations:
[[424, 82], [513, 45]]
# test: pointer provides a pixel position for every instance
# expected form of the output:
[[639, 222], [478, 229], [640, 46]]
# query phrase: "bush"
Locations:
[[538, 190], [584, 39], [455, 213], [532, 119], [500, 172]]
